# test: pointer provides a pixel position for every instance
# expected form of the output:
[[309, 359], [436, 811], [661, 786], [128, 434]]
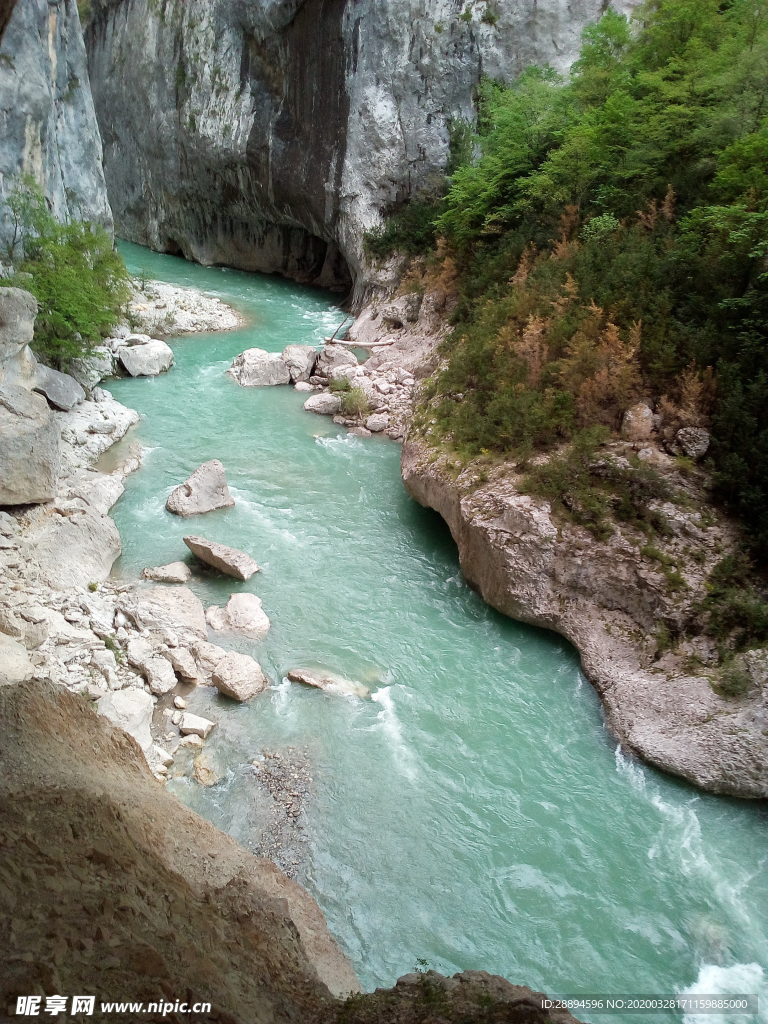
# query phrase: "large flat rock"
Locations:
[[30, 447], [74, 547], [204, 491], [230, 561], [175, 608], [62, 391], [130, 710]]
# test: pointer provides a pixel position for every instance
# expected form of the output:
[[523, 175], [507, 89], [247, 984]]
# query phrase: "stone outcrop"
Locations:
[[242, 614], [204, 491], [30, 459], [271, 136], [230, 561], [238, 676], [257, 368], [46, 110], [608, 599]]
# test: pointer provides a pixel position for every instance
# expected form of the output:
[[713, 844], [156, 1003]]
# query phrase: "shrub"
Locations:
[[77, 276], [339, 385], [354, 402]]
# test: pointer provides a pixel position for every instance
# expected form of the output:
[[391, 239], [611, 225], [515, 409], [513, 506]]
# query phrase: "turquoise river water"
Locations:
[[475, 813]]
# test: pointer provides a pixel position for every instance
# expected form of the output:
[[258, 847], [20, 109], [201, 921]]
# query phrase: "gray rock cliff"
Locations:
[[48, 127], [269, 134]]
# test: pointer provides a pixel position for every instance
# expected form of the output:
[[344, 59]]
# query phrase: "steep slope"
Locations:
[[49, 127], [269, 134]]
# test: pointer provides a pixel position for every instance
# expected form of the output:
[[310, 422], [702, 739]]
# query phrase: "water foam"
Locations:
[[739, 979], [388, 723]]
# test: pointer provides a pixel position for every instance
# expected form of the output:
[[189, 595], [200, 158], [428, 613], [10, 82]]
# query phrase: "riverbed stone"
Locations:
[[377, 422], [145, 358], [30, 455], [175, 608], [62, 391], [333, 356], [159, 675], [258, 368], [243, 614], [230, 561], [195, 725], [300, 360], [328, 681], [238, 676], [207, 656], [131, 710], [324, 404], [184, 665], [204, 491], [174, 572]]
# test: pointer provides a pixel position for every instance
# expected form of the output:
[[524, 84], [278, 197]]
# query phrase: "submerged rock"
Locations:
[[238, 676], [258, 368], [174, 572], [145, 358], [324, 404], [204, 491], [230, 561], [61, 390], [328, 681], [243, 614]]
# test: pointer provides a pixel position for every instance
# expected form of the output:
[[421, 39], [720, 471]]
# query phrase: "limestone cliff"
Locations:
[[49, 127], [269, 134]]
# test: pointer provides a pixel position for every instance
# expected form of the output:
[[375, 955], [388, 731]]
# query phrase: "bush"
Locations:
[[736, 610], [410, 231], [354, 402], [77, 276]]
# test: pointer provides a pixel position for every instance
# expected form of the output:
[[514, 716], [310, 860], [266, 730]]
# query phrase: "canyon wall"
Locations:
[[270, 134], [48, 125]]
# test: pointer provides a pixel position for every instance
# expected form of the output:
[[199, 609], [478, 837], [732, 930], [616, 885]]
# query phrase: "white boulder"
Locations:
[[145, 358], [377, 422], [194, 725], [131, 710], [62, 391], [333, 356], [324, 404], [160, 675], [30, 456], [637, 424], [175, 608], [174, 572], [300, 360], [15, 665], [238, 676], [230, 561], [243, 614], [204, 491], [258, 368]]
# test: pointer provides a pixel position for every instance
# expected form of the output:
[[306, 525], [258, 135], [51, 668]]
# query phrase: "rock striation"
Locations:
[[49, 124], [270, 136]]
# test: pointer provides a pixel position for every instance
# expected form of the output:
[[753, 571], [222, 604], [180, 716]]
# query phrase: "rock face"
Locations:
[[18, 310], [204, 491], [257, 368], [243, 614], [46, 109], [269, 136], [30, 457], [80, 807], [230, 561], [604, 596], [239, 677], [146, 358]]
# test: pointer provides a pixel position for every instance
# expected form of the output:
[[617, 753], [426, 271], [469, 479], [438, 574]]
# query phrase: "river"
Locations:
[[475, 813]]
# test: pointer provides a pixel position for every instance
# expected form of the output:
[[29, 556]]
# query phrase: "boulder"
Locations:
[[243, 614], [238, 676], [30, 456], [15, 665], [75, 547], [377, 422], [230, 561], [62, 391], [174, 572], [332, 356], [194, 725], [300, 360], [637, 424], [184, 665], [257, 368], [302, 386], [694, 441], [98, 364], [160, 675], [207, 657], [324, 404], [175, 608], [207, 770], [328, 681], [130, 710], [106, 663], [204, 491], [138, 652], [18, 310], [146, 358]]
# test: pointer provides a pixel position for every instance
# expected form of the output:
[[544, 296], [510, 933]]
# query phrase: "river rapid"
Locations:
[[475, 813]]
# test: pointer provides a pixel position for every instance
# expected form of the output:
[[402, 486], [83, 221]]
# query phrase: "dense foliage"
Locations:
[[611, 243], [73, 270]]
